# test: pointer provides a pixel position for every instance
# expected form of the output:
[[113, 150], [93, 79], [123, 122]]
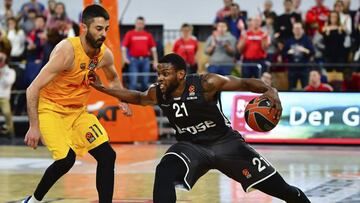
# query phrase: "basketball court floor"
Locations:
[[326, 174]]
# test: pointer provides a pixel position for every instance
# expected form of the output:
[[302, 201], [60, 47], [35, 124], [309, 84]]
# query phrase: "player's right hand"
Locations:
[[32, 137], [95, 81]]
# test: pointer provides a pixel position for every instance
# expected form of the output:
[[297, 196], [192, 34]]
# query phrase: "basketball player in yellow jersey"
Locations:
[[57, 106]]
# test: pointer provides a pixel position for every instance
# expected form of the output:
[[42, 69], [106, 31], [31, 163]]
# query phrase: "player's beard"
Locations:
[[93, 42], [171, 88]]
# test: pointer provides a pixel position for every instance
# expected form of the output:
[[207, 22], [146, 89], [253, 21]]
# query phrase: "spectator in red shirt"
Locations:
[[316, 17], [224, 12], [186, 46], [315, 84], [253, 45], [138, 43]]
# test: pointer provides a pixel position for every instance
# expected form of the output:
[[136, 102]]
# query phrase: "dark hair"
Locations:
[[338, 18], [93, 11], [236, 5], [175, 60], [140, 18], [41, 16], [186, 25]]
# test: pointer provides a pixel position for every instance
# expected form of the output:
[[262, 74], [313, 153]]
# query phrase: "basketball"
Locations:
[[257, 115]]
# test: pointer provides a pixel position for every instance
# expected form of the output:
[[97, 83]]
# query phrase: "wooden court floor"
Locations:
[[326, 174]]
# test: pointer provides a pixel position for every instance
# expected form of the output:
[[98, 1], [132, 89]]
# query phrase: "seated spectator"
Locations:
[[17, 38], [186, 46], [34, 5], [235, 21], [224, 12], [315, 84], [28, 23], [267, 78], [284, 22], [316, 18], [7, 79], [140, 44], [298, 49], [35, 47], [351, 82], [334, 37], [60, 21], [220, 46], [253, 45], [50, 10]]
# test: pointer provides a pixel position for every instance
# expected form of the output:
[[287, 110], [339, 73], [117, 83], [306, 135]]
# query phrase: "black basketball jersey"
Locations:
[[193, 118]]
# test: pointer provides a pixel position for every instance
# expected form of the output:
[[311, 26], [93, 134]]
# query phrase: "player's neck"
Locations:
[[179, 90], [89, 50]]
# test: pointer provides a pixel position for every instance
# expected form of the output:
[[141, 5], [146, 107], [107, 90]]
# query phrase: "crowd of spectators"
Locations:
[[288, 44], [263, 46], [282, 49]]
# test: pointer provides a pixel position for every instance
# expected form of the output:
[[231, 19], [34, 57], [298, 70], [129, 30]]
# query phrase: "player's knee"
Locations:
[[162, 167], [66, 163], [108, 157]]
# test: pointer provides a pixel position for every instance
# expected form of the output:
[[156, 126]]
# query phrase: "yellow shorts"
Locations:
[[63, 128]]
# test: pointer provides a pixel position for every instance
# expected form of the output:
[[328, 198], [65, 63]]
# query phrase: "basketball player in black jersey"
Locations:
[[205, 139]]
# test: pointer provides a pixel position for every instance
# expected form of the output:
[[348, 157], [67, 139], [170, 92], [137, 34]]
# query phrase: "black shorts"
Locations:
[[230, 155]]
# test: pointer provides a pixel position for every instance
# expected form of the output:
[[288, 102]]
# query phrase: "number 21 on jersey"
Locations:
[[180, 110]]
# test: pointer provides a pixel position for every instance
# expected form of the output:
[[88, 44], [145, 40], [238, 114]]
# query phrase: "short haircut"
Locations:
[[186, 25], [93, 11], [41, 16], [316, 70], [175, 60], [140, 18]]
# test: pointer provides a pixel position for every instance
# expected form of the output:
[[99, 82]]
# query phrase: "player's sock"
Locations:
[[169, 170], [53, 173], [31, 199], [277, 187], [105, 157]]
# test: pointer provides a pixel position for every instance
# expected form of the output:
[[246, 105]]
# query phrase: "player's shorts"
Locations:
[[230, 155], [63, 128]]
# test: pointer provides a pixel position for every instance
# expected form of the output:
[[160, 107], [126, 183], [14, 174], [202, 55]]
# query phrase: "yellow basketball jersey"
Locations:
[[71, 87]]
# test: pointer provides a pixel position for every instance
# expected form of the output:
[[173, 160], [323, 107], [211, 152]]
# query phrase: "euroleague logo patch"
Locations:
[[90, 137], [191, 90], [246, 173]]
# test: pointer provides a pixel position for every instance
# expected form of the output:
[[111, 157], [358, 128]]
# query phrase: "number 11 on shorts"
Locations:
[[97, 131]]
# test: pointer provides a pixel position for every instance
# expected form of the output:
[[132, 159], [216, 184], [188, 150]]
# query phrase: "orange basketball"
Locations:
[[257, 115]]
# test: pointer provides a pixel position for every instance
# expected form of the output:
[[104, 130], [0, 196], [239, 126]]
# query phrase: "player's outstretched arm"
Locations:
[[213, 83], [130, 96], [61, 58]]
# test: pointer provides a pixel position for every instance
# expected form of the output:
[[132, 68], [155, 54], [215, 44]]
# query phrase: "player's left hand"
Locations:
[[273, 96], [125, 108]]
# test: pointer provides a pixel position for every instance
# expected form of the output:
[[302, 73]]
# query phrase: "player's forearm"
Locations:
[[32, 98], [125, 95], [255, 85]]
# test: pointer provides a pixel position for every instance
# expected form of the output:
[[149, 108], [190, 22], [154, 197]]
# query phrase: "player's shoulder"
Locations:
[[65, 46]]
